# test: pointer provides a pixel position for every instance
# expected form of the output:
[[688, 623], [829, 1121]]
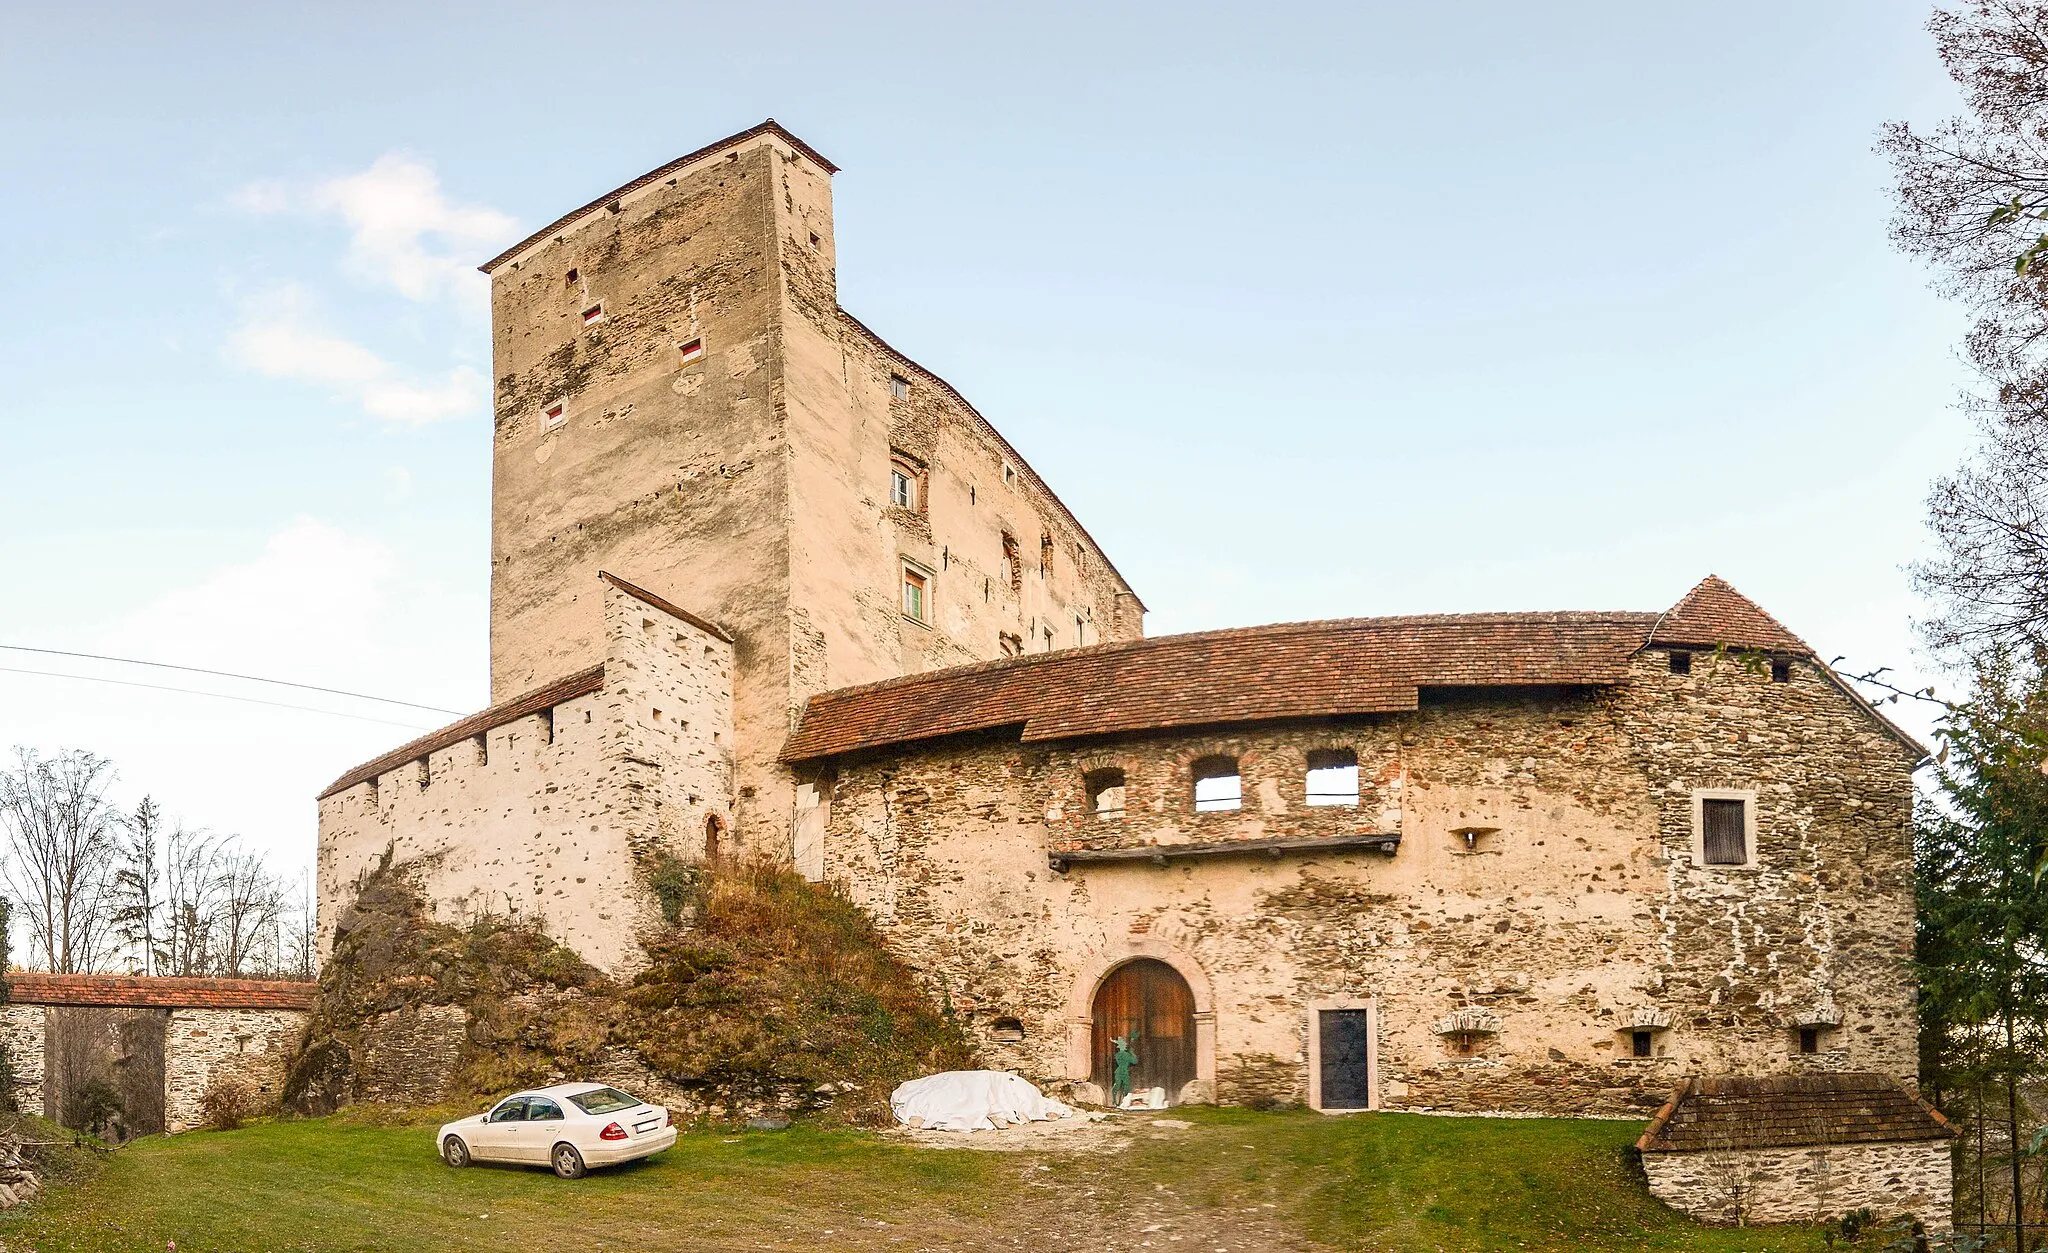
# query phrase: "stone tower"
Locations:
[[681, 401]]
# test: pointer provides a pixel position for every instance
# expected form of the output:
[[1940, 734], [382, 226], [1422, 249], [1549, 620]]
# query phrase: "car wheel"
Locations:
[[568, 1162], [455, 1152]]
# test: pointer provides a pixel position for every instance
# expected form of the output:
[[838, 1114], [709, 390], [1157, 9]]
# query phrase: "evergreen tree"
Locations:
[[138, 896]]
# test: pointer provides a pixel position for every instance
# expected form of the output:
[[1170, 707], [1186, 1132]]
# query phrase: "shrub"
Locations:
[[226, 1103], [96, 1109]]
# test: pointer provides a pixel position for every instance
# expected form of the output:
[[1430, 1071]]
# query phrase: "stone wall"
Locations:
[[1574, 914], [21, 1033], [408, 1055], [248, 1046], [1808, 1184], [550, 817]]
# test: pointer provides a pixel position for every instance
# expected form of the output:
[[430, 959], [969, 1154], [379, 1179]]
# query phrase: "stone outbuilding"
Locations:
[[159, 1042], [1799, 1148]]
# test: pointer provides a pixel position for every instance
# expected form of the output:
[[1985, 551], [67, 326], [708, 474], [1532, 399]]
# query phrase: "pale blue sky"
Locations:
[[1306, 311]]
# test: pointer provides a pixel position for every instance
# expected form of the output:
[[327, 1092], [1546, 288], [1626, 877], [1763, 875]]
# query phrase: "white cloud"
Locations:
[[279, 337], [404, 232]]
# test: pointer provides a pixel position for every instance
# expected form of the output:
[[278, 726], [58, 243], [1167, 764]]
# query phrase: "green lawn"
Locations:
[[1234, 1180]]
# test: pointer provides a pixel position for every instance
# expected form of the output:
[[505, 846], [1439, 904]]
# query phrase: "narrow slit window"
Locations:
[[1333, 777], [1105, 793], [689, 352], [593, 315], [899, 387], [1217, 785], [1809, 1039], [916, 595], [1724, 834], [1045, 556]]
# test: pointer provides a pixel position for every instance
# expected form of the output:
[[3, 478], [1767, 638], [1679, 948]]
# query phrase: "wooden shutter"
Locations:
[[1724, 832]]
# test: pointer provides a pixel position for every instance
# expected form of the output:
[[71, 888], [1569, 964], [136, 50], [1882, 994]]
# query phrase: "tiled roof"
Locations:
[[1715, 615], [138, 991], [1779, 1111], [769, 127], [1294, 670], [581, 683]]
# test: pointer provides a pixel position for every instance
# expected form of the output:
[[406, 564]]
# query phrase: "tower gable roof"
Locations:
[[1714, 615]]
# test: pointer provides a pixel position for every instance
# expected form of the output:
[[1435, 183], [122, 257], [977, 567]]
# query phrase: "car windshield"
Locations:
[[603, 1101]]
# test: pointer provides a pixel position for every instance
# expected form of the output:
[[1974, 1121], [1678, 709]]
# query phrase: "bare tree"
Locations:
[[1972, 198], [247, 906], [58, 828], [191, 867]]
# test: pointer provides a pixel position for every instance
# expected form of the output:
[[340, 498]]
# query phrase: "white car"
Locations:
[[571, 1127]]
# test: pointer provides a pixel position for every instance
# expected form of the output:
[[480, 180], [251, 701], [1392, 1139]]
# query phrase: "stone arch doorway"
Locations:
[[1148, 1003]]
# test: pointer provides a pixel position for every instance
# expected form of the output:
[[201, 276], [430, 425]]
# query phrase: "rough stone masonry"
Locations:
[[763, 585]]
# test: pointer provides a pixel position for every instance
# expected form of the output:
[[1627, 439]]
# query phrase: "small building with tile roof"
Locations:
[[762, 584]]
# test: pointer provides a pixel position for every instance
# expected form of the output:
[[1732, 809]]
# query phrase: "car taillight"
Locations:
[[612, 1132], [668, 1118]]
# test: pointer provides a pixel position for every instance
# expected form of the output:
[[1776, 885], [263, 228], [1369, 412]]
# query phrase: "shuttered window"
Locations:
[[1724, 835]]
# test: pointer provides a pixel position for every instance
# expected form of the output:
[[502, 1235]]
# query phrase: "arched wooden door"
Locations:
[[1147, 1002]]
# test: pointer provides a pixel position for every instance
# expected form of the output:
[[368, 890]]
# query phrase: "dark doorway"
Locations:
[[85, 1046], [1345, 1044], [1148, 1003]]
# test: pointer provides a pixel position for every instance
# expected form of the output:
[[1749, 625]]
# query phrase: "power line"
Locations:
[[224, 674], [189, 691]]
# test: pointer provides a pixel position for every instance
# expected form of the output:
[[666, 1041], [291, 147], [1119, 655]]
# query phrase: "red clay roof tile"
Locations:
[[582, 683], [1715, 615], [153, 991], [1292, 670]]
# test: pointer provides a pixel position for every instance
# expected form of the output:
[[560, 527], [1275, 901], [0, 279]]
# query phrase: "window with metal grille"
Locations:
[[1724, 835], [1217, 785], [1333, 777]]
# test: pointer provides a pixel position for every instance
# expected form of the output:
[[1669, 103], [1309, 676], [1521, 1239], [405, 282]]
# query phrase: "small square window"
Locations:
[[1809, 1039], [554, 415], [593, 315], [814, 241], [916, 595], [689, 351], [572, 276], [1639, 1044], [1681, 663], [1781, 672], [899, 387]]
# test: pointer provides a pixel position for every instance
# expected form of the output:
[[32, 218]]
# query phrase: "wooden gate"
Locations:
[[123, 1048], [1147, 1002]]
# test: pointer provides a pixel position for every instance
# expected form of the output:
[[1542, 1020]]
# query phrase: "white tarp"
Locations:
[[973, 1100]]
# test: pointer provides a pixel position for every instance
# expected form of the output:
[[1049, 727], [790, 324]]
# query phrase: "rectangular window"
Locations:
[[689, 352], [916, 595], [1724, 833], [1809, 1039], [554, 415], [1639, 1044], [899, 387], [1781, 672], [1681, 663], [902, 490], [593, 315]]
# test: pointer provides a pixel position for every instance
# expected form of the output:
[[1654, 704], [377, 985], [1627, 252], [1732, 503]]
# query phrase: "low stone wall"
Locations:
[[1810, 1183], [408, 1055], [248, 1046], [21, 1034]]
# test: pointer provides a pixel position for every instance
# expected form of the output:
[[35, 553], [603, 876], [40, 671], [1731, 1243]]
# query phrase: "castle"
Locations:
[[761, 584]]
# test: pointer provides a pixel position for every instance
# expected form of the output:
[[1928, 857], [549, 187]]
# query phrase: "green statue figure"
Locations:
[[1125, 1058]]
